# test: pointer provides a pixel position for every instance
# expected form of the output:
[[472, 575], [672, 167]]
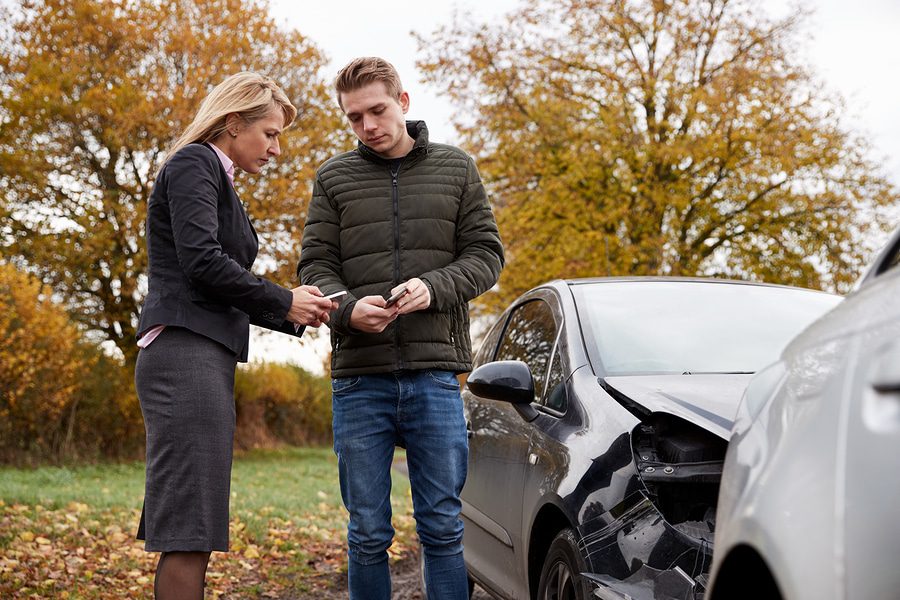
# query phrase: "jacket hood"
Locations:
[[709, 401]]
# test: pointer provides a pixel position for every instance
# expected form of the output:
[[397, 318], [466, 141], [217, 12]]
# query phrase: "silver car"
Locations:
[[809, 506]]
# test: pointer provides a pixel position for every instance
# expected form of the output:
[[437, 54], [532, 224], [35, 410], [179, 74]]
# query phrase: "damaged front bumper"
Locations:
[[640, 556], [648, 583]]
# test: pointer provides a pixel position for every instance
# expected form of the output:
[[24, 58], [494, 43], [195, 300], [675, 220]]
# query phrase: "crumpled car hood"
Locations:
[[707, 400]]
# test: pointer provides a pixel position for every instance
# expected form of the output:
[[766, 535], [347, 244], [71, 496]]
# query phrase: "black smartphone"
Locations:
[[393, 299]]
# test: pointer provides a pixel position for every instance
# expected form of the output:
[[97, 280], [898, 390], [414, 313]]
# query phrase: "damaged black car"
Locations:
[[599, 413]]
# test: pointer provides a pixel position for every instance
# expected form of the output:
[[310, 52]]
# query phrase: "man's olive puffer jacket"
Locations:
[[367, 231]]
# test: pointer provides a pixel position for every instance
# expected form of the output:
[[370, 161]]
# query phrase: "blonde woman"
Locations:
[[194, 324]]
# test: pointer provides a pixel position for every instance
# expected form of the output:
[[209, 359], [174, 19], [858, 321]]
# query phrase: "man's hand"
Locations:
[[370, 316], [309, 307], [418, 297]]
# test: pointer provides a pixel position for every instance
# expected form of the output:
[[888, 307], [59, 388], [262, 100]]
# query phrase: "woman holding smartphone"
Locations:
[[194, 325]]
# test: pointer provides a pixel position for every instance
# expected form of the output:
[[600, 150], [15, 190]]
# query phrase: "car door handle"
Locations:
[[881, 405], [886, 387], [886, 375], [469, 431]]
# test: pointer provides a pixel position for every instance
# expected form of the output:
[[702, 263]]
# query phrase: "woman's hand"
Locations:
[[309, 307]]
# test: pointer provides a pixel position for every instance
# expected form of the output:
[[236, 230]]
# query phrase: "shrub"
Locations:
[[281, 403], [41, 363], [62, 399], [107, 421]]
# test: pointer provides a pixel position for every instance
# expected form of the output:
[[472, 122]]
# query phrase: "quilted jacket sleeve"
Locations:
[[320, 258], [479, 252]]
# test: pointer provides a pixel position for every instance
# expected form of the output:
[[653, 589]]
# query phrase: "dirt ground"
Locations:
[[407, 585], [404, 578]]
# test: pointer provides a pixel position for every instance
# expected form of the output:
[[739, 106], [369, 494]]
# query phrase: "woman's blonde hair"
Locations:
[[249, 95]]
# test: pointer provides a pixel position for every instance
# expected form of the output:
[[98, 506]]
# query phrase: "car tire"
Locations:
[[471, 582], [560, 574]]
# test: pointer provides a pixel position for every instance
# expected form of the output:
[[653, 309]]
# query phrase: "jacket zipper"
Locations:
[[395, 197]]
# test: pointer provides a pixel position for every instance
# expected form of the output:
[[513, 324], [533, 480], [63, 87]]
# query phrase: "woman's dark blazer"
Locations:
[[200, 247]]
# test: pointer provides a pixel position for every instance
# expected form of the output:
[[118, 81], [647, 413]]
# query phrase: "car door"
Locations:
[[871, 481], [498, 450]]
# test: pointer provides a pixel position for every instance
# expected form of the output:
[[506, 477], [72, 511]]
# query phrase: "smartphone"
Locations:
[[336, 295], [393, 299]]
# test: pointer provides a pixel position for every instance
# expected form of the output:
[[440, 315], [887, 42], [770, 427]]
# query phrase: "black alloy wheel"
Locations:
[[561, 574]]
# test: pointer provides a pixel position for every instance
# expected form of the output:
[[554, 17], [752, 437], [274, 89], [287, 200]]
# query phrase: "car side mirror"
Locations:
[[508, 381]]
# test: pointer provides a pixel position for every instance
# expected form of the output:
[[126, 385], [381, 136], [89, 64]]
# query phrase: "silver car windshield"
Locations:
[[666, 327]]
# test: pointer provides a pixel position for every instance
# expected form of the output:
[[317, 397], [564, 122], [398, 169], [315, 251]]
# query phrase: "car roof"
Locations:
[[655, 278]]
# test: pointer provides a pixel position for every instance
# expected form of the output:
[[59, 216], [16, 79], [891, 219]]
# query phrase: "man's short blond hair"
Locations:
[[362, 71]]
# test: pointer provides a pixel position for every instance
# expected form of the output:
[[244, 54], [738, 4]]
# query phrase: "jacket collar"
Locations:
[[417, 130]]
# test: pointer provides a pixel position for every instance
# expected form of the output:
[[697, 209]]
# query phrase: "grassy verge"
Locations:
[[69, 532]]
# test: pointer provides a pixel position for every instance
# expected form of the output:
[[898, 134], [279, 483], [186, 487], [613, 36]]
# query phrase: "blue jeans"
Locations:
[[421, 410]]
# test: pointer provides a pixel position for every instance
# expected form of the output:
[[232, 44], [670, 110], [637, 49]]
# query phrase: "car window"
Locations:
[[488, 345], [692, 327], [529, 337], [892, 262], [555, 394]]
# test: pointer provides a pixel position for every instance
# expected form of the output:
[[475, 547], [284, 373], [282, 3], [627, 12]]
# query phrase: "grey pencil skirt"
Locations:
[[185, 383]]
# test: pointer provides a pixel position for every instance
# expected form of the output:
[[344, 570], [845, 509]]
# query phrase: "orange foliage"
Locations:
[[683, 137], [94, 92], [41, 365]]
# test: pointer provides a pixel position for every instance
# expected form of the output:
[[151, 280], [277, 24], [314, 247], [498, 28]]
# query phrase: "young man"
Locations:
[[399, 212]]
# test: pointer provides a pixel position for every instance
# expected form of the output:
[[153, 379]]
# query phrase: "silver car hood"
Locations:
[[709, 401]]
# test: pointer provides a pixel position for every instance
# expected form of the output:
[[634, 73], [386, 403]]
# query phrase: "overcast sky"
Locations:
[[854, 49]]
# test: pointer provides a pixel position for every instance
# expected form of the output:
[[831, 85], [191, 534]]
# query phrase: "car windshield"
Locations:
[[664, 327]]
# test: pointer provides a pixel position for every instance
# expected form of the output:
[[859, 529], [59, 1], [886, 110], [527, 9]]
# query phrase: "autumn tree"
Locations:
[[41, 366], [675, 137], [93, 92]]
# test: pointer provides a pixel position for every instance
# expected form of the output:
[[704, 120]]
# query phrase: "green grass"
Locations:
[[283, 483], [99, 486], [70, 530], [294, 484], [286, 484]]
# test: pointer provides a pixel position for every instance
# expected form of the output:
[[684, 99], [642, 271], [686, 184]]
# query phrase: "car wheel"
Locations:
[[471, 582], [560, 575]]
